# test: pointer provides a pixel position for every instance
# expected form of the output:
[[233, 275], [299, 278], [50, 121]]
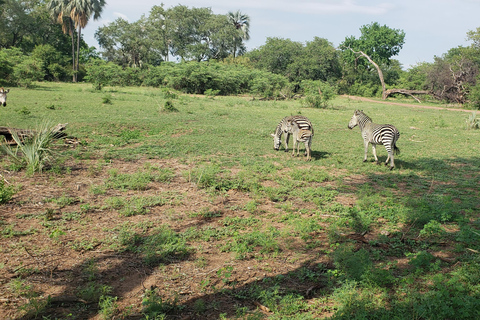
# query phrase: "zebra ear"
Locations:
[[272, 135]]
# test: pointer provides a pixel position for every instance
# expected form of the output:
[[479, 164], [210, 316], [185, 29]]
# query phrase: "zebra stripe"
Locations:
[[300, 135], [372, 133], [3, 96], [302, 122]]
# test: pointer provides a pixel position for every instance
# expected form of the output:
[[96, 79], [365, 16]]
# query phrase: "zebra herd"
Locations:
[[302, 130]]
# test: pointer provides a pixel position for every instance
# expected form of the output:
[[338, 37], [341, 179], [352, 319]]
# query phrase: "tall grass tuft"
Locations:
[[472, 121], [35, 150]]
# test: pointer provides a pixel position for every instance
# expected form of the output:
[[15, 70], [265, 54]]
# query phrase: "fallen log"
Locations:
[[407, 93], [57, 131]]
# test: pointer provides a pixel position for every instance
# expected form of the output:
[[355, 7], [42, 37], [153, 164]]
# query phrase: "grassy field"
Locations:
[[149, 213]]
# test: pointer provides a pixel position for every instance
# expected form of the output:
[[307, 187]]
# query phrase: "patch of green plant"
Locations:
[[352, 264], [93, 291], [107, 99], [130, 181], [210, 93], [134, 205], [169, 107], [6, 192], [62, 201], [246, 243], [35, 151], [107, 306], [162, 245], [154, 307], [472, 121], [310, 175]]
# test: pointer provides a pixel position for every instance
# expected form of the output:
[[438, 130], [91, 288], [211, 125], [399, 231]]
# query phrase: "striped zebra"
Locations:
[[373, 133], [302, 122], [3, 96], [300, 135]]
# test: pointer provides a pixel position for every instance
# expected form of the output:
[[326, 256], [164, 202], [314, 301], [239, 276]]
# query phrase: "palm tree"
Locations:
[[80, 12], [55, 7], [241, 22]]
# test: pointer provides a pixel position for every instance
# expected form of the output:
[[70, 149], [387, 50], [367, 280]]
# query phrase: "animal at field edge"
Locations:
[[281, 128], [372, 133], [300, 135], [3, 96]]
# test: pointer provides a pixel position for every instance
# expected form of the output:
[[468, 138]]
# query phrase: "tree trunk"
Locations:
[[78, 51], [380, 73], [72, 33], [407, 93]]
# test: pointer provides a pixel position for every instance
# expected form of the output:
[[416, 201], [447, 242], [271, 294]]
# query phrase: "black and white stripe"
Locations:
[[3, 96], [302, 122], [383, 134], [300, 135]]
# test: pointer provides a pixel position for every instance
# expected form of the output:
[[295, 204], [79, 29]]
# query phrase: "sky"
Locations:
[[431, 27]]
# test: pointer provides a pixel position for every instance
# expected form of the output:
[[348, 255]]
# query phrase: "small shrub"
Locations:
[[6, 192], [34, 151], [169, 107], [210, 93], [107, 99], [472, 121]]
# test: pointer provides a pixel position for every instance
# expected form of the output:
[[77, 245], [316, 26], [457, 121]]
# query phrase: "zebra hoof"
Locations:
[[365, 160]]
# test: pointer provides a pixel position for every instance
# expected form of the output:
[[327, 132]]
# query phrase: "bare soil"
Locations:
[[57, 264]]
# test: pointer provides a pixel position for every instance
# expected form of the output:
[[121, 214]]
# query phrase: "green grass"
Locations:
[[373, 243]]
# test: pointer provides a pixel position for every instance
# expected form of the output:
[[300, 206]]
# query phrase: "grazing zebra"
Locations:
[[302, 122], [373, 133], [300, 135], [3, 96]]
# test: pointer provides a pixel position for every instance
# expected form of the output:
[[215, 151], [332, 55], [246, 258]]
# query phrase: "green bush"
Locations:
[[317, 93]]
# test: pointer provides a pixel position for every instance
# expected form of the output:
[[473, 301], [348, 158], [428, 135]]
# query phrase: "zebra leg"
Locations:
[[308, 151], [374, 151], [365, 145], [287, 137], [294, 146]]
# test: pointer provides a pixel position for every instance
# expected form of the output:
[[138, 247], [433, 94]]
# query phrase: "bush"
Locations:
[[26, 72], [317, 93]]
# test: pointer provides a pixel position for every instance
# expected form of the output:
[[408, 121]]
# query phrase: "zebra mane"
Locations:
[[362, 115]]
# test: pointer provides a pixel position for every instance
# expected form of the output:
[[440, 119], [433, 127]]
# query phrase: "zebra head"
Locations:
[[3, 96], [354, 120], [276, 141]]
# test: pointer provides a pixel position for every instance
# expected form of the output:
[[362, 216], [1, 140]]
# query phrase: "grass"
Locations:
[[196, 213]]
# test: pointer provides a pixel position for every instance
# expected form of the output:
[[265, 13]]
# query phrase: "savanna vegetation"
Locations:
[[163, 205], [41, 41], [166, 200]]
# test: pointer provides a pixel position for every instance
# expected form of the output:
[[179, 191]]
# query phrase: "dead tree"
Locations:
[[386, 93]]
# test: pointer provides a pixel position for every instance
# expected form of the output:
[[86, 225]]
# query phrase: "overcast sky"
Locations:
[[431, 27]]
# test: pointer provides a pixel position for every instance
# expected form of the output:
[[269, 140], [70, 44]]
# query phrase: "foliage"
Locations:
[[472, 121], [317, 93], [6, 192], [35, 151]]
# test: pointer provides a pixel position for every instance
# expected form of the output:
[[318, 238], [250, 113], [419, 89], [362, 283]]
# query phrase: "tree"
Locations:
[[80, 11], [276, 55], [377, 44], [158, 29], [128, 44], [241, 22]]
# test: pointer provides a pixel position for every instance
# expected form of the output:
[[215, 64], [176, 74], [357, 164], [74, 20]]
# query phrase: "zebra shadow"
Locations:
[[317, 155]]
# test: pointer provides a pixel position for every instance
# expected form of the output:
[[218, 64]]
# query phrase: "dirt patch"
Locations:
[[61, 237]]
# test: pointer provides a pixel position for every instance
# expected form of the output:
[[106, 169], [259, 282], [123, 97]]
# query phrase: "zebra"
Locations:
[[3, 96], [383, 134], [300, 135], [302, 122]]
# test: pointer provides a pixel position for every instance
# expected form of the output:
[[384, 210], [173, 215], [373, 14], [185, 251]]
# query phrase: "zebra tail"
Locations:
[[396, 150]]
